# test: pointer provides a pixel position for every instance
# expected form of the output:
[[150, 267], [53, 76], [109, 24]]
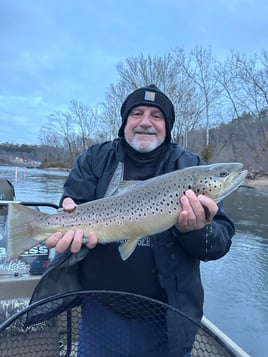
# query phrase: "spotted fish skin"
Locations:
[[145, 208]]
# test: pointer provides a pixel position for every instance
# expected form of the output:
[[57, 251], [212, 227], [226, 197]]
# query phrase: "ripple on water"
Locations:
[[236, 297]]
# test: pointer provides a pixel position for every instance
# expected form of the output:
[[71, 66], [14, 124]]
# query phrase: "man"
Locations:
[[166, 264]]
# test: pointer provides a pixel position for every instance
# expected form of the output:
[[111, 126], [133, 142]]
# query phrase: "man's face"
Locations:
[[145, 129]]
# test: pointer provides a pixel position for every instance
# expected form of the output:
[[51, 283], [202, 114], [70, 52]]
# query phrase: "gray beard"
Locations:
[[138, 147]]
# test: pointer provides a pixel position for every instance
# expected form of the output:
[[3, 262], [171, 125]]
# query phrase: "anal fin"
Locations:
[[127, 248]]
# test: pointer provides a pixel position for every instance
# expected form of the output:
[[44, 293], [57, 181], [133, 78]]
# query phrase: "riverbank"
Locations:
[[257, 182]]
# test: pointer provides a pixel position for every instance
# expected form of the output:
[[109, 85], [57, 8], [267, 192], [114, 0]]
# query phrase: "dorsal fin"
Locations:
[[125, 185]]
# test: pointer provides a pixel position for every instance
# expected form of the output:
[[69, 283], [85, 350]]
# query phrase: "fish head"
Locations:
[[218, 180]]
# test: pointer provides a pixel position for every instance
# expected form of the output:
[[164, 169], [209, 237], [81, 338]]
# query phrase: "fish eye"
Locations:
[[223, 174]]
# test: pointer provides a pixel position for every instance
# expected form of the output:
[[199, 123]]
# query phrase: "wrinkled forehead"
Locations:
[[143, 108]]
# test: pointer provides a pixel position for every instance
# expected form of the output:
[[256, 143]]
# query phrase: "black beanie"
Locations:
[[151, 96]]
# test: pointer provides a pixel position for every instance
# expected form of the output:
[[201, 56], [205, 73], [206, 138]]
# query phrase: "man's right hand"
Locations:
[[71, 239]]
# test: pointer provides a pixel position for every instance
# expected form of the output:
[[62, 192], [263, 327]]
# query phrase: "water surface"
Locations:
[[236, 286]]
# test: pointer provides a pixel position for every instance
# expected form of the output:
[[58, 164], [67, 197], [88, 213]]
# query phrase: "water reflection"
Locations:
[[35, 184], [249, 209]]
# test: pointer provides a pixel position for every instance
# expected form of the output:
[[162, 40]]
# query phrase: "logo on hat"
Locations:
[[149, 96]]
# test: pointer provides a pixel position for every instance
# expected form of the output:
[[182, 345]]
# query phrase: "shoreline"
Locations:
[[258, 182]]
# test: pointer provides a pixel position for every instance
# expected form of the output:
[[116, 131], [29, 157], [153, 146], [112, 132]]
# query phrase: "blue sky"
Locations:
[[52, 51]]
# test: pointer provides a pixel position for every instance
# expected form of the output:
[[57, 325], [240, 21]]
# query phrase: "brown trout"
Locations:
[[145, 208]]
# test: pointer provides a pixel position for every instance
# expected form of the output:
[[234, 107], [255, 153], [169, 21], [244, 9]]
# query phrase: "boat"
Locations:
[[34, 330]]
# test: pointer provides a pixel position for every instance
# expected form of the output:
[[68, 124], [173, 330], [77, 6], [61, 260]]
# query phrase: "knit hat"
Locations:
[[151, 96]]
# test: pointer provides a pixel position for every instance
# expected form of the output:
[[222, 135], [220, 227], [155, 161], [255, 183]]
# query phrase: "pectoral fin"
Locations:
[[127, 248]]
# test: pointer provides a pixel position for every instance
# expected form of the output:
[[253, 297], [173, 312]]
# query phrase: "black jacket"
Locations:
[[177, 256]]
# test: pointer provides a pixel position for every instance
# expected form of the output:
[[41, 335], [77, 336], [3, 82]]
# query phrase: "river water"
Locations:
[[236, 286]]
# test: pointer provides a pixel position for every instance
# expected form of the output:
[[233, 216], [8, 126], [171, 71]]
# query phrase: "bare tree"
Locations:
[[50, 145], [110, 109], [140, 71], [62, 128], [254, 92], [186, 99], [200, 71], [84, 119], [71, 131], [226, 79], [245, 83]]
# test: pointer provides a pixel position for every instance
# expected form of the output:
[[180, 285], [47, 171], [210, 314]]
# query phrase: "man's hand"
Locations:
[[71, 239], [197, 212]]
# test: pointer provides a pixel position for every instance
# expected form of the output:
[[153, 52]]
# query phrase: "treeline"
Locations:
[[239, 140], [15, 153]]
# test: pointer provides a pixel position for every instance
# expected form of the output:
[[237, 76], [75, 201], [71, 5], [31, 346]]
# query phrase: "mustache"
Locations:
[[140, 130]]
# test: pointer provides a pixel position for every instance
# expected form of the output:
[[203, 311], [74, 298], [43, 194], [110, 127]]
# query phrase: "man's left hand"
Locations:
[[196, 213]]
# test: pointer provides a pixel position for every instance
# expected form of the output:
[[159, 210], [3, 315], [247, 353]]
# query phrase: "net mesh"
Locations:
[[105, 323]]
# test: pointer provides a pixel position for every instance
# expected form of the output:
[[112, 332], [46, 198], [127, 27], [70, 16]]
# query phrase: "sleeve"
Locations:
[[211, 242], [81, 181]]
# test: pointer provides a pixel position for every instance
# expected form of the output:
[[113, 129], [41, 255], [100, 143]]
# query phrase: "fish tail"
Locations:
[[22, 228]]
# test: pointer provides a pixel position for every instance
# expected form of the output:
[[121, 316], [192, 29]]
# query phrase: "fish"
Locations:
[[142, 209]]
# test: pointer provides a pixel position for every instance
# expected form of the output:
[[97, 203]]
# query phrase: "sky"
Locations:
[[52, 51]]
